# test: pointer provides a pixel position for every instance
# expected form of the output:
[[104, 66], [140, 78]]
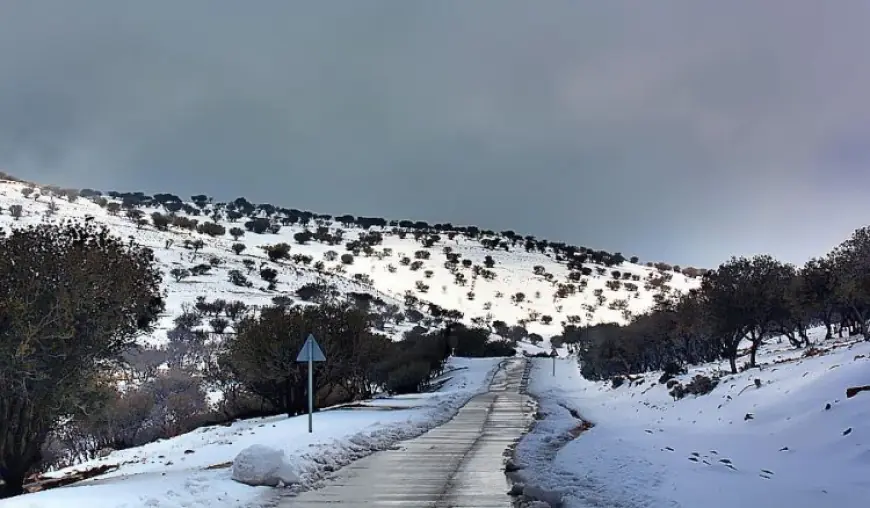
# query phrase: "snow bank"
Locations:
[[194, 469], [794, 441], [263, 466]]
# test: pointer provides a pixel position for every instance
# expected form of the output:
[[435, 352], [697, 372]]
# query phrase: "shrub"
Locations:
[[347, 259], [212, 229], [238, 278], [16, 211], [237, 233], [200, 269], [259, 225], [278, 251], [238, 248], [303, 237], [269, 275], [179, 273]]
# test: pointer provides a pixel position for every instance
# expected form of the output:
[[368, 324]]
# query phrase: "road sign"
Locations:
[[311, 350], [311, 353]]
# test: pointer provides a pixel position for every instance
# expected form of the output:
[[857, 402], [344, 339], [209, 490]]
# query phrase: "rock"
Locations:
[[188, 452], [551, 497], [749, 416], [260, 465], [827, 406], [516, 490], [855, 390], [847, 431], [511, 466]]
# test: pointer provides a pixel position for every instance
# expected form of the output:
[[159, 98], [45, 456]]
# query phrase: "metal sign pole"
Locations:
[[309, 354], [310, 386]]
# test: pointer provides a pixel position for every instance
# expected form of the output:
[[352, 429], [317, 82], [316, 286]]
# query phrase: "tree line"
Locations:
[[738, 306]]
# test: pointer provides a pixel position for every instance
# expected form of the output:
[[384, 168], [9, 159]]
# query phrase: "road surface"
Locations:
[[459, 464]]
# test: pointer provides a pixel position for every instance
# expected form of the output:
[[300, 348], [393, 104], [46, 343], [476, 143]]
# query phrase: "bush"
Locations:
[[278, 251], [303, 237], [200, 269], [16, 211], [237, 233], [269, 275], [238, 278], [238, 248], [407, 378], [258, 225], [347, 259], [179, 273], [184, 222], [212, 229]]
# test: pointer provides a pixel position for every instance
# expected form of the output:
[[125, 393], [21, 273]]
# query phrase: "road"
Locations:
[[459, 464]]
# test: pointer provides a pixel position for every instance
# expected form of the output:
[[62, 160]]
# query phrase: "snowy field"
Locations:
[[193, 470], [795, 441]]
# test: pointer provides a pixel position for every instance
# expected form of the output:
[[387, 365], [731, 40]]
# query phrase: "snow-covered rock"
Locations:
[[261, 465]]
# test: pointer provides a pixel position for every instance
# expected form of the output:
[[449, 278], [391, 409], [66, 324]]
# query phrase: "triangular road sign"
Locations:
[[311, 351]]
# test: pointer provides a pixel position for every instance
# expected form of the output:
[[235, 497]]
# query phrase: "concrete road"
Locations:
[[459, 464]]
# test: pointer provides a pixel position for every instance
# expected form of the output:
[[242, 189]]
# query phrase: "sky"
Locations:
[[682, 131]]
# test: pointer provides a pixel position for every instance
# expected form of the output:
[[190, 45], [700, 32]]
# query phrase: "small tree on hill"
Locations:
[[278, 251], [16, 211], [179, 274], [237, 233]]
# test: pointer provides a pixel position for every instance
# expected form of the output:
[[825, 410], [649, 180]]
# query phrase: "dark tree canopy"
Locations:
[[74, 298]]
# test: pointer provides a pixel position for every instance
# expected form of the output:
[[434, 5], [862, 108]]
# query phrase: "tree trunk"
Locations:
[[756, 338], [732, 359], [13, 484], [802, 333]]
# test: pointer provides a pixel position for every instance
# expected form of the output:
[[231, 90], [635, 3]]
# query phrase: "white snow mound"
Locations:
[[260, 465]]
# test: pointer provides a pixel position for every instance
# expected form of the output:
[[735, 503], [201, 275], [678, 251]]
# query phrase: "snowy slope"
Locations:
[[193, 470], [390, 279], [803, 445]]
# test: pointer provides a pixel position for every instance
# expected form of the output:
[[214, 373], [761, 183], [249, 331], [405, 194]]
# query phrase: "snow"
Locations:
[[795, 441], [491, 301], [647, 450], [194, 470], [260, 465]]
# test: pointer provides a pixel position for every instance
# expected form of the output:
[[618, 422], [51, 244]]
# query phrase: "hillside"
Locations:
[[788, 433], [484, 278]]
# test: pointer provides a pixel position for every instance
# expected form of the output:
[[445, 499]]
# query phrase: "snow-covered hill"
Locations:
[[531, 287]]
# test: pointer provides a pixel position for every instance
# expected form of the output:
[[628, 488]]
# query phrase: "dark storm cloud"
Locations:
[[683, 131]]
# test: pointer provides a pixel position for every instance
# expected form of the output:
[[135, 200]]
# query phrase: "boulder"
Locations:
[[260, 465]]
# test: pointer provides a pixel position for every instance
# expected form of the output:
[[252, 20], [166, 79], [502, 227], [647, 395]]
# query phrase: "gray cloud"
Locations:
[[682, 131]]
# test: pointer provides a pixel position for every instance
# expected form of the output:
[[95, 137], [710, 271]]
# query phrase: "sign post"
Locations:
[[554, 354], [311, 353]]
